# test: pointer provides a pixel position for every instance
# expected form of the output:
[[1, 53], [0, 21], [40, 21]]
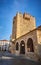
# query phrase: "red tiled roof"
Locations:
[[4, 40]]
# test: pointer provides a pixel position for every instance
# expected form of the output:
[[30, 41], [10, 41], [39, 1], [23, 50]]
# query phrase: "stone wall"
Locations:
[[27, 23], [33, 36], [14, 28], [39, 41]]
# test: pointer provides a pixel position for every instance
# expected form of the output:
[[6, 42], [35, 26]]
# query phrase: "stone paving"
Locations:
[[10, 59]]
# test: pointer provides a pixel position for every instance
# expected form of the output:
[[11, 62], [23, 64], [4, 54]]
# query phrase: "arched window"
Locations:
[[17, 46], [30, 47]]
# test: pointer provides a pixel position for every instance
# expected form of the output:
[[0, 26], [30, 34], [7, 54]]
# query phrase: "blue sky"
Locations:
[[9, 8]]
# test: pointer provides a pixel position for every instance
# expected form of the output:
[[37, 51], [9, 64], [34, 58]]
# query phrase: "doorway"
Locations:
[[22, 47]]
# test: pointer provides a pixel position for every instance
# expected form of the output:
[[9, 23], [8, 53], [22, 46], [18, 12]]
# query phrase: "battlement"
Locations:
[[26, 16], [19, 13]]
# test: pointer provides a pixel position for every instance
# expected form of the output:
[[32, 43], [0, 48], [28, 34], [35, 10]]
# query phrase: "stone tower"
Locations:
[[22, 24]]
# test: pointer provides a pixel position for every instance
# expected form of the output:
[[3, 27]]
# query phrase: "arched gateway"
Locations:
[[17, 46], [30, 47], [22, 47]]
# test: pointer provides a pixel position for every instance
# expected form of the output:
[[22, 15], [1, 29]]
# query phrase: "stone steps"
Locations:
[[32, 56]]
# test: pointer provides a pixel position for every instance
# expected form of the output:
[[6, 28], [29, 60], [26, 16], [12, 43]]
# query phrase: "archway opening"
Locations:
[[17, 46], [22, 47], [30, 47]]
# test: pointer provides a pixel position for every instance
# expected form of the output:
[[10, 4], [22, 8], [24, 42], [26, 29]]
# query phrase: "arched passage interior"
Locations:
[[17, 46], [30, 47], [22, 47]]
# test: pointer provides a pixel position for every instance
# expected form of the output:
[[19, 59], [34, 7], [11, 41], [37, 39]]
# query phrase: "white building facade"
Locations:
[[4, 45]]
